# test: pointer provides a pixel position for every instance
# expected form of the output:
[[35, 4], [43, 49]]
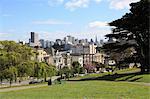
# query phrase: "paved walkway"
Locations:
[[26, 82], [21, 88]]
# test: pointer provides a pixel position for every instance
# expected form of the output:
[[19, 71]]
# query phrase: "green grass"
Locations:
[[128, 70], [95, 88], [106, 73], [135, 78], [83, 90], [132, 75]]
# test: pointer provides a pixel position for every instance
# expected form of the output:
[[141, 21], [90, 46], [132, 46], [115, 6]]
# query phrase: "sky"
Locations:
[[53, 19]]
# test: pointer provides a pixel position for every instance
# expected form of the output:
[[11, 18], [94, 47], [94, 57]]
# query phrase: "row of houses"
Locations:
[[64, 52], [84, 54]]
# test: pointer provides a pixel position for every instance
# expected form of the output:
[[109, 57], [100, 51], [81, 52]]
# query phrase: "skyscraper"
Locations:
[[34, 41], [42, 43]]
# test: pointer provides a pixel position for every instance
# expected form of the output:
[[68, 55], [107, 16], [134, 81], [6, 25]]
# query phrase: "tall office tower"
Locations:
[[42, 43], [34, 41], [96, 40]]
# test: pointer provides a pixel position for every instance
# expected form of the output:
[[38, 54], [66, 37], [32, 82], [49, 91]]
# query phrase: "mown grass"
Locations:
[[132, 75], [95, 88], [83, 90]]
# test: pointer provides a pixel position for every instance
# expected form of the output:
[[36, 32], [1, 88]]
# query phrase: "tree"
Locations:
[[14, 60], [10, 74], [51, 71], [2, 76], [66, 71], [89, 67], [25, 69], [47, 70], [132, 30], [76, 66]]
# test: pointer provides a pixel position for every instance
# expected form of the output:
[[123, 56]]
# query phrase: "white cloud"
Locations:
[[120, 4], [51, 22], [55, 2], [74, 4], [98, 24]]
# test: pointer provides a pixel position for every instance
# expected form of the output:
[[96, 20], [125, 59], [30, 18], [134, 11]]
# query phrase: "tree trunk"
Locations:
[[45, 77], [10, 82], [143, 55], [145, 66]]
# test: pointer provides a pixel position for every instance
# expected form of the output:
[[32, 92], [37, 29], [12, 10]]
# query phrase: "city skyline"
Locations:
[[54, 19]]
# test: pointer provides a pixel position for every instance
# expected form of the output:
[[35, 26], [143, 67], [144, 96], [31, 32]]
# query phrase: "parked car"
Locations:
[[35, 82]]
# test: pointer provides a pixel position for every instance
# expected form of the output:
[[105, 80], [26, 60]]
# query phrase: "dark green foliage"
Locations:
[[133, 28], [66, 71], [76, 67]]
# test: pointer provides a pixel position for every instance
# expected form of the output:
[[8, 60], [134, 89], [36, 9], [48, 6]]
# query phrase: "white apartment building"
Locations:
[[62, 59]]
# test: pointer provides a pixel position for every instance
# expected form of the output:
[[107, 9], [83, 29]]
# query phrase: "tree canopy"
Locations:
[[16, 61], [132, 30]]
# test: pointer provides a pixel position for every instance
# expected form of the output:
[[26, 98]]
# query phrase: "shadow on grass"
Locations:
[[114, 77]]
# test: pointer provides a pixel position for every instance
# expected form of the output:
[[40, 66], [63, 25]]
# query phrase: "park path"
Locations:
[[42, 85], [21, 88]]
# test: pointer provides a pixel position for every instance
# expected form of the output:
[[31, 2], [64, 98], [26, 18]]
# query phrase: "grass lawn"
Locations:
[[92, 86], [132, 75], [83, 90]]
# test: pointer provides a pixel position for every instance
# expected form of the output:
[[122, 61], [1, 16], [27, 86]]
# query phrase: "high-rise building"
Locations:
[[96, 40], [34, 40], [42, 43]]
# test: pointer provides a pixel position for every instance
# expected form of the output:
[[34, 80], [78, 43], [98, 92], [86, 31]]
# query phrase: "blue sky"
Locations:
[[54, 19]]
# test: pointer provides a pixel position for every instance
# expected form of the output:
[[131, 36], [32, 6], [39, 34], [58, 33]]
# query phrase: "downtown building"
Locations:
[[34, 40]]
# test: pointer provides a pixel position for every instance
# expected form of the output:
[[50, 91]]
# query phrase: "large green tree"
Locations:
[[76, 66], [16, 61], [132, 30]]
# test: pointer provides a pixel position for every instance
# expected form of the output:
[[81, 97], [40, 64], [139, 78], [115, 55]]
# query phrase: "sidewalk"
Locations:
[[26, 82], [21, 88]]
